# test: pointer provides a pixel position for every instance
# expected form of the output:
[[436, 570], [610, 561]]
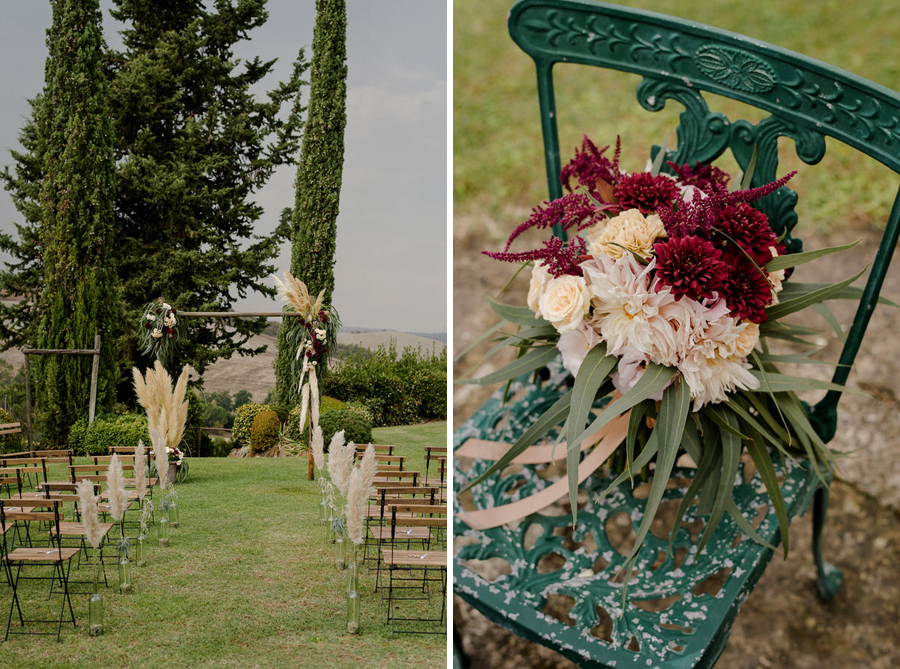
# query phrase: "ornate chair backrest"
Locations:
[[806, 101]]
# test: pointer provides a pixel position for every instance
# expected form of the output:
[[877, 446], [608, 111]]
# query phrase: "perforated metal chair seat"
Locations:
[[669, 614]]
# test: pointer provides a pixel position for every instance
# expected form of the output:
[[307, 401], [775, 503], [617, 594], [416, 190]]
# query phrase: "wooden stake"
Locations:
[[95, 369], [28, 401], [312, 476]]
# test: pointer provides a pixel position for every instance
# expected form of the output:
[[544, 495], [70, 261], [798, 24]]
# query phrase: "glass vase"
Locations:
[[352, 589], [163, 526], [329, 526], [322, 514], [340, 550], [124, 573], [140, 553], [173, 513], [95, 606]]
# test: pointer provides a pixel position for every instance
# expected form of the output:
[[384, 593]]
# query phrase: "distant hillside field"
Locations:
[[257, 374]]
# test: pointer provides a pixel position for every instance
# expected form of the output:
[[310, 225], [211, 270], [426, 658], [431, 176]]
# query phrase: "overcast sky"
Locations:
[[391, 270]]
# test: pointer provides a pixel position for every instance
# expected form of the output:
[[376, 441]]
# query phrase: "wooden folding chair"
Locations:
[[19, 558], [404, 566]]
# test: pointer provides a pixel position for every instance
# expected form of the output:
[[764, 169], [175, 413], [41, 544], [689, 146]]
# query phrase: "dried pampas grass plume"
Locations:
[[318, 447], [115, 483], [368, 469], [140, 466], [344, 465], [89, 516], [295, 293], [334, 448], [357, 498], [160, 457]]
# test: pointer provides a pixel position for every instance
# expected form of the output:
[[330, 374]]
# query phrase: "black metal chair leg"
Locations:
[[15, 602], [829, 578]]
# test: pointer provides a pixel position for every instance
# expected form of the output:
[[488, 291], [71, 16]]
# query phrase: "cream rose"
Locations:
[[565, 302], [540, 277], [631, 230]]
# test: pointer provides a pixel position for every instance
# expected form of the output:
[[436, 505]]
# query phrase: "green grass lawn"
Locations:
[[498, 169], [247, 581]]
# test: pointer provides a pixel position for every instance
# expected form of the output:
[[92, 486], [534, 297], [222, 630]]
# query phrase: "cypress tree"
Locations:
[[79, 297], [318, 182], [192, 144]]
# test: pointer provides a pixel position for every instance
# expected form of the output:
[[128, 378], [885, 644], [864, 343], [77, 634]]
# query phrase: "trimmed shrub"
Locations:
[[108, 431], [243, 422], [355, 426], [361, 409], [264, 434], [300, 432], [77, 435], [9, 443], [283, 411]]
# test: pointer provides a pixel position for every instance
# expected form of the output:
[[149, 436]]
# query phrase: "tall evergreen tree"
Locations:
[[79, 298], [193, 144], [318, 183]]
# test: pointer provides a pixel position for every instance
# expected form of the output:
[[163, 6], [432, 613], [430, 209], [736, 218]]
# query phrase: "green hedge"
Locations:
[[356, 427], [397, 389], [299, 432], [107, 431]]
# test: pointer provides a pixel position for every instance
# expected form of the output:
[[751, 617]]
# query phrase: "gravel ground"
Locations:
[[783, 623]]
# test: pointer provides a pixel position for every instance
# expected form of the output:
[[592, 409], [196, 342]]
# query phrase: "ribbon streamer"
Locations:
[[608, 440]]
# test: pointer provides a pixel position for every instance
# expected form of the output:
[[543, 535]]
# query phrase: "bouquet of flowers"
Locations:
[[175, 455], [660, 305], [159, 332]]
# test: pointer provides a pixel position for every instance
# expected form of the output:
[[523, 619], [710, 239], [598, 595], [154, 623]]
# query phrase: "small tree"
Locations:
[[318, 183]]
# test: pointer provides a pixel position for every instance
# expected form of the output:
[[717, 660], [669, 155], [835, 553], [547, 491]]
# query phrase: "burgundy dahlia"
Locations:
[[749, 228], [690, 266], [705, 177], [746, 289], [644, 192]]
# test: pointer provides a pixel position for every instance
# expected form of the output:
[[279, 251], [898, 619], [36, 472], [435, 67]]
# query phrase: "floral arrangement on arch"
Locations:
[[313, 340], [660, 303], [159, 332]]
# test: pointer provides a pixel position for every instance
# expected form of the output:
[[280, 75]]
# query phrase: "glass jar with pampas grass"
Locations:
[[341, 456], [118, 502], [166, 409], [359, 490], [94, 533], [146, 506]]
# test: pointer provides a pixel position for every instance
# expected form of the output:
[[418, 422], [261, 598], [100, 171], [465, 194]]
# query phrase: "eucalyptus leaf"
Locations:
[[795, 259], [786, 307], [731, 458], [518, 315], [550, 418], [767, 472], [533, 359], [594, 370]]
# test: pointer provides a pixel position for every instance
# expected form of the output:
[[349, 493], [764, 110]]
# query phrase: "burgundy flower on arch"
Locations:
[[644, 192], [707, 178], [590, 166], [690, 266]]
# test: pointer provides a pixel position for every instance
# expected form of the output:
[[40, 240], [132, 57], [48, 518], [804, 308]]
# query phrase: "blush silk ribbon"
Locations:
[[607, 439]]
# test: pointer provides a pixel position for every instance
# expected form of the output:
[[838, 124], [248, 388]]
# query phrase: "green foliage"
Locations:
[[264, 434], [12, 390], [78, 293], [298, 432], [107, 431], [361, 409], [195, 415], [9, 443], [318, 183], [397, 390], [217, 448], [193, 141], [356, 428], [243, 422], [241, 398], [283, 411]]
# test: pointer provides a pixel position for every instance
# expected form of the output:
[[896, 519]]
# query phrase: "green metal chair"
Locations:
[[560, 590]]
